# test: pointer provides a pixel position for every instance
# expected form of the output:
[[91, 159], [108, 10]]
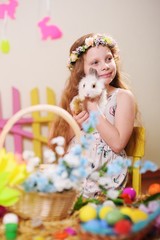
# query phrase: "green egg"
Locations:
[[5, 46], [113, 216]]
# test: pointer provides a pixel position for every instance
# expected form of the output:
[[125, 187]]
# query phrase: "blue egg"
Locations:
[[93, 226], [103, 223], [139, 226]]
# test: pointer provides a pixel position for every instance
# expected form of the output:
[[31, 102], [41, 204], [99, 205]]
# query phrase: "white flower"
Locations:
[[50, 172], [62, 184], [71, 160], [89, 41], [32, 163], [113, 194], [27, 154], [58, 140], [49, 156], [59, 150]]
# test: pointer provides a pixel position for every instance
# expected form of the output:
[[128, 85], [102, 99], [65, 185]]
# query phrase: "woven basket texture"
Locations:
[[45, 206], [141, 235]]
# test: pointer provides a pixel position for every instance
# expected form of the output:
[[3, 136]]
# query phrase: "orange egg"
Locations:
[[154, 188]]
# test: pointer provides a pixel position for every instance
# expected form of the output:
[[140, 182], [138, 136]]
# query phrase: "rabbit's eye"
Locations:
[[94, 85], [83, 85]]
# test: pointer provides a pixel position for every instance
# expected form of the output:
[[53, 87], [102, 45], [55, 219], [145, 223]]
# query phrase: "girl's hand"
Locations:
[[81, 118]]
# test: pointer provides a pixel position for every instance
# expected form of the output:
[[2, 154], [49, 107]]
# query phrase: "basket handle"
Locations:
[[41, 107]]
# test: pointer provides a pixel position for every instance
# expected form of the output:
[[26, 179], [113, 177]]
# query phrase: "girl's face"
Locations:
[[101, 59]]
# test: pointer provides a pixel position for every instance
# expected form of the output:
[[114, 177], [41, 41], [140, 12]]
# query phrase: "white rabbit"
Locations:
[[90, 87]]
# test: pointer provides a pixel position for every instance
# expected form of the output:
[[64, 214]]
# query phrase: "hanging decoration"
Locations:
[[7, 10], [4, 43], [49, 30]]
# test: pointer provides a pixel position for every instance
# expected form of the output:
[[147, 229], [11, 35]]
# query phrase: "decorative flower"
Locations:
[[90, 42], [73, 57], [146, 166], [12, 174]]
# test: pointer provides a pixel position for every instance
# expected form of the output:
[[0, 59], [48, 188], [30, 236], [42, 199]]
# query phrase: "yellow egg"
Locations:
[[104, 210], [138, 215], [87, 213], [126, 210]]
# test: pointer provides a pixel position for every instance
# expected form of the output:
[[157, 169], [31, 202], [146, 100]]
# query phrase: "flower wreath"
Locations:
[[96, 40]]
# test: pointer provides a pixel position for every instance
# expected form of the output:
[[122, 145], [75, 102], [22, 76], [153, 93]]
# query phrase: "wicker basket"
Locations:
[[141, 235], [45, 206]]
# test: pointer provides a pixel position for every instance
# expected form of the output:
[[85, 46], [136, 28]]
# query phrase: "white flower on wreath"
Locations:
[[89, 41]]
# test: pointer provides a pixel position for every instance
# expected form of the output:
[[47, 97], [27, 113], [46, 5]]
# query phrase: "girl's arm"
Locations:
[[117, 135]]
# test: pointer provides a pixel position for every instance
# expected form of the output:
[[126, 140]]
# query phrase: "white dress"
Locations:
[[99, 153]]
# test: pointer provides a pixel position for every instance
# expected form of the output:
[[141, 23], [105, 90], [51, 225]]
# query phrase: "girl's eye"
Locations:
[[95, 62], [109, 58]]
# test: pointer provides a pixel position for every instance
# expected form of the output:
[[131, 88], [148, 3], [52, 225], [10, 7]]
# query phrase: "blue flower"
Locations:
[[113, 168], [90, 125], [76, 150], [148, 166]]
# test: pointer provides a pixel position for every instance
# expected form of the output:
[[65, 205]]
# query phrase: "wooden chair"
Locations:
[[135, 148]]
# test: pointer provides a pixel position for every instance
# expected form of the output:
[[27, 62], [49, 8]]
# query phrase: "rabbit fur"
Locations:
[[89, 87]]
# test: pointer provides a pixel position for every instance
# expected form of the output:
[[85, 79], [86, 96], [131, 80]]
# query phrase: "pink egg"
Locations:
[[130, 191]]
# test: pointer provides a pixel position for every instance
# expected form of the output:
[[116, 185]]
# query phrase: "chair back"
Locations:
[[136, 149]]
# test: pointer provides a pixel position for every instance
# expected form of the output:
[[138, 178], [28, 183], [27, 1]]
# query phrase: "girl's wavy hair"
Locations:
[[60, 127]]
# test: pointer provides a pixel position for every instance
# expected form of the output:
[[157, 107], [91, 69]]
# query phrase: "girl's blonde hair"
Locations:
[[60, 127]]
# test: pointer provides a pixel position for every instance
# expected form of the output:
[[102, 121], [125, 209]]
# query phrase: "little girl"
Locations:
[[115, 124]]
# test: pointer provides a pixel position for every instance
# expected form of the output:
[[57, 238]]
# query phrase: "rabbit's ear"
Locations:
[[93, 71]]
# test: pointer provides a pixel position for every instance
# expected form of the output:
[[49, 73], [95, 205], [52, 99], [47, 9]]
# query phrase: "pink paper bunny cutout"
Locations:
[[9, 9], [49, 31]]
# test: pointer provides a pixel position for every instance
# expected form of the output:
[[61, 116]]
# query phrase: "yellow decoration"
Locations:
[[5, 46], [126, 211], [38, 119], [138, 215], [12, 174], [87, 213], [104, 210]]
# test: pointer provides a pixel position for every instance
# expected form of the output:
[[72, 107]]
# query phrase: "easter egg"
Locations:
[[70, 231], [123, 226], [154, 188], [138, 215], [93, 226], [126, 211], [130, 191], [5, 47], [10, 218], [109, 203], [103, 211], [87, 213], [60, 235], [113, 216]]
